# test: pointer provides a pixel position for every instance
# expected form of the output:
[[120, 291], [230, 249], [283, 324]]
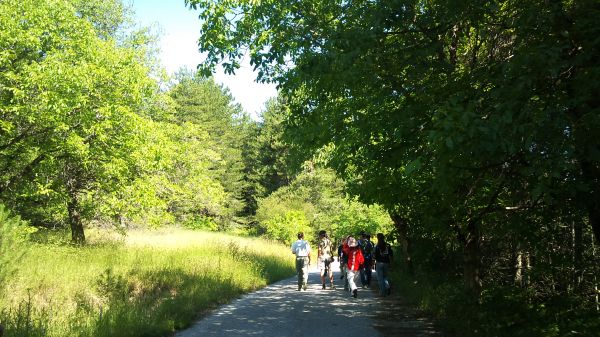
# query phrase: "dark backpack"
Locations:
[[367, 249], [384, 252], [343, 257]]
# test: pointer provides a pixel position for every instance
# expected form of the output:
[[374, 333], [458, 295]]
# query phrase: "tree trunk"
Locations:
[[596, 290], [518, 279], [527, 279], [591, 174], [73, 187], [77, 234], [401, 225], [471, 256], [577, 254], [594, 213]]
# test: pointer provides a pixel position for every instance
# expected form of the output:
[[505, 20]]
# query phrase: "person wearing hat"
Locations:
[[355, 260], [301, 249]]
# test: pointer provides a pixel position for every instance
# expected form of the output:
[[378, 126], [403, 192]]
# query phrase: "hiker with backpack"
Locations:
[[366, 246], [301, 249], [355, 259], [325, 257], [343, 260], [383, 259]]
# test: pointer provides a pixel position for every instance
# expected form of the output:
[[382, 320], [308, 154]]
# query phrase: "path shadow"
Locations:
[[281, 310]]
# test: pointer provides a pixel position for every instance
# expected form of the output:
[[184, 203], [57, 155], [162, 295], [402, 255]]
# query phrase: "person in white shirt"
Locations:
[[301, 249]]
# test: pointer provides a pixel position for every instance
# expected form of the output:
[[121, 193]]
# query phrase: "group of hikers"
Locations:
[[356, 257]]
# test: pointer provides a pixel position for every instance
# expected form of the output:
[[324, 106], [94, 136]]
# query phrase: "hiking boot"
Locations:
[[323, 286], [304, 286], [332, 287], [354, 293]]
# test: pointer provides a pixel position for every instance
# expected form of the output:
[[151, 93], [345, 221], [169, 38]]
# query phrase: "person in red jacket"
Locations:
[[355, 260]]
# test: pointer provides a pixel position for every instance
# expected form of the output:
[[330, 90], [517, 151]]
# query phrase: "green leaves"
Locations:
[[315, 199], [465, 118], [413, 166], [73, 97], [207, 108], [284, 227], [85, 125]]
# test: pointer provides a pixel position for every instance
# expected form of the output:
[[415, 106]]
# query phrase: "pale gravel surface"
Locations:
[[280, 310]]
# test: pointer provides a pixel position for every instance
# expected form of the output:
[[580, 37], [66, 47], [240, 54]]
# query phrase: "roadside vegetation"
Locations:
[[434, 286], [148, 283]]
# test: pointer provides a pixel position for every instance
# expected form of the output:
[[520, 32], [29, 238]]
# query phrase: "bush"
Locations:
[[201, 223], [503, 310], [285, 228]]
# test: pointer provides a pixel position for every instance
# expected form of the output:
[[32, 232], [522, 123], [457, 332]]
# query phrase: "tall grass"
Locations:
[[146, 284]]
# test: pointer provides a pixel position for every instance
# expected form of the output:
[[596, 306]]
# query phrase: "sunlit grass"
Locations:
[[144, 284]]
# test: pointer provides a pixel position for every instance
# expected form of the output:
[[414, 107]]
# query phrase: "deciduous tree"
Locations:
[[67, 111], [474, 109]]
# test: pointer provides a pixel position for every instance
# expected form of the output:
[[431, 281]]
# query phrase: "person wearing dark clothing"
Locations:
[[383, 259], [366, 246], [343, 259]]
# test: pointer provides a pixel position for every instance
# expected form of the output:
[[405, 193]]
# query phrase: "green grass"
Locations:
[[147, 284]]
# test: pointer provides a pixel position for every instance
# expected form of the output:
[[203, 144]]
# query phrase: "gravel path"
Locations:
[[280, 310]]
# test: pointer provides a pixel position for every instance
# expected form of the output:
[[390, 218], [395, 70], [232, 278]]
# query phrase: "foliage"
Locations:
[[67, 108], [275, 166], [284, 227], [504, 310], [208, 108], [356, 217], [89, 135], [110, 19], [314, 201], [266, 155], [470, 122]]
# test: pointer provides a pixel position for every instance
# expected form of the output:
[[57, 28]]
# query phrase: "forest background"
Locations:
[[467, 131]]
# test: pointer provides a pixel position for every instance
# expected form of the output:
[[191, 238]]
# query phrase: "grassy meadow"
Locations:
[[143, 284]]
